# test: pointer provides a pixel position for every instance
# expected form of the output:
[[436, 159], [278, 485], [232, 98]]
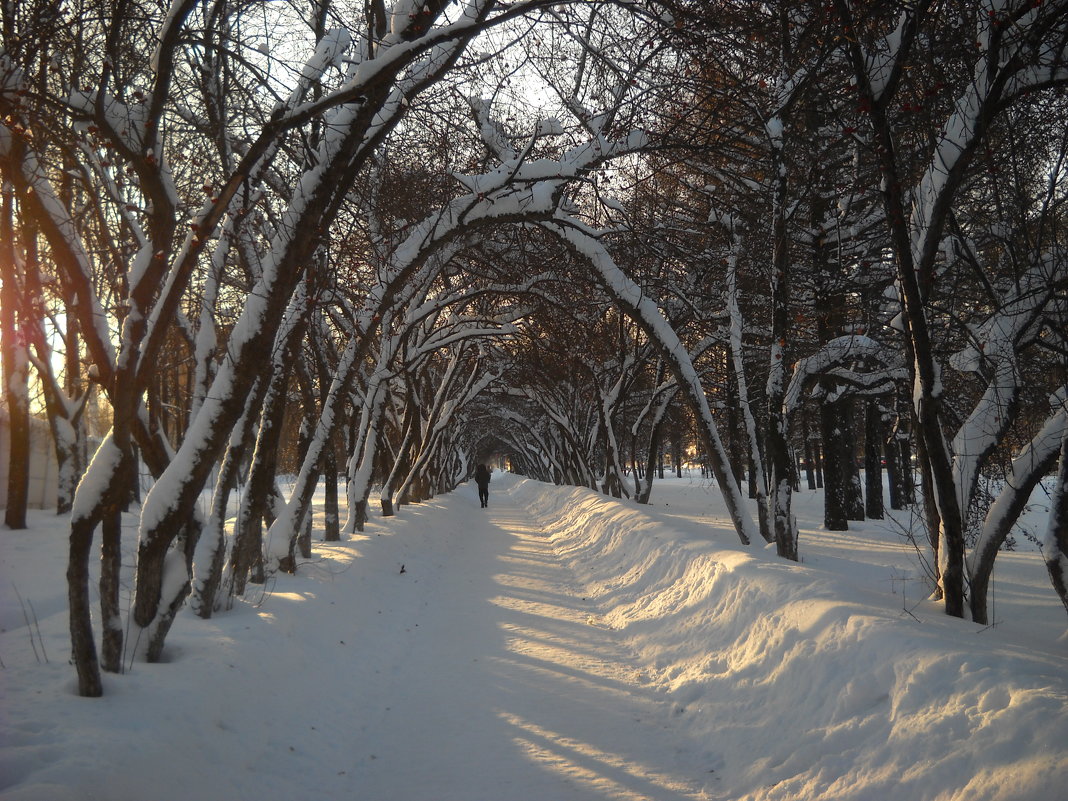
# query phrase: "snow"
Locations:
[[94, 483], [557, 645]]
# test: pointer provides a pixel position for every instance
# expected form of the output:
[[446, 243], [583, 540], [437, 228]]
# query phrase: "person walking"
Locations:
[[482, 478]]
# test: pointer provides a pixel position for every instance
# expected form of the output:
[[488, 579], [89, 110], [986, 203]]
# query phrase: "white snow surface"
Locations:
[[558, 645]]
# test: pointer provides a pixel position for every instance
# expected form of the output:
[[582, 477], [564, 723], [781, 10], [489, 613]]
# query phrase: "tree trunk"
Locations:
[[656, 430], [331, 516], [852, 492], [210, 555], [248, 537], [83, 647], [1056, 539], [304, 444], [18, 410], [1028, 468], [873, 467], [835, 516], [401, 461], [104, 495], [15, 371], [110, 586]]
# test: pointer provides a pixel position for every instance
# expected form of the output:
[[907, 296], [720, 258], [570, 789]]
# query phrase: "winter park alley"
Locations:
[[762, 306]]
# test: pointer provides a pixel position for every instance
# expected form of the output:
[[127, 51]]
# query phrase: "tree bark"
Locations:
[[83, 645], [211, 551], [110, 587], [15, 374], [835, 510], [1057, 532], [873, 466]]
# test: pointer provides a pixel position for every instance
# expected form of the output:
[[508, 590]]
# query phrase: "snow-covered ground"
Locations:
[[555, 646]]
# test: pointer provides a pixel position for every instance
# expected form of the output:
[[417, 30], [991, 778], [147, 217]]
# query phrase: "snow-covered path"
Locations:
[[494, 679]]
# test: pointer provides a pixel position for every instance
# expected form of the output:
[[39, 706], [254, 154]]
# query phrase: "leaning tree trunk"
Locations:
[[401, 459], [364, 458], [245, 552], [643, 311], [210, 555], [656, 429], [1028, 468], [1056, 539]]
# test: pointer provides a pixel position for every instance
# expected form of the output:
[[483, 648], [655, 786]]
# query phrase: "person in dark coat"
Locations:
[[482, 478]]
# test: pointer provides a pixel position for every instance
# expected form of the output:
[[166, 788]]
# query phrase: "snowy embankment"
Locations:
[[806, 688]]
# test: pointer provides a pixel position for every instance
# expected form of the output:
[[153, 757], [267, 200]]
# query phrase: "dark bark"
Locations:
[[401, 461], [15, 376], [1057, 539], [328, 464], [908, 477], [331, 517], [873, 467], [835, 514], [83, 646], [655, 439], [852, 493], [248, 536], [18, 477], [735, 446], [110, 586]]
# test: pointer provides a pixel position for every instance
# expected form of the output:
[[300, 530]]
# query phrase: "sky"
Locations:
[[556, 645]]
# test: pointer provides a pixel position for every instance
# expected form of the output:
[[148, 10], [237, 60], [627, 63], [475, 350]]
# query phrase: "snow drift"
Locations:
[[802, 691]]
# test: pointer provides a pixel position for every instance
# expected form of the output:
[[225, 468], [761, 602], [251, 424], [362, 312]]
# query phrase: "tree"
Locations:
[[1014, 57]]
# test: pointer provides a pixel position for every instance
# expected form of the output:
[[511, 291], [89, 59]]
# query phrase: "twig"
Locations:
[[37, 626], [29, 628], [267, 591], [133, 652], [909, 611], [126, 636]]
